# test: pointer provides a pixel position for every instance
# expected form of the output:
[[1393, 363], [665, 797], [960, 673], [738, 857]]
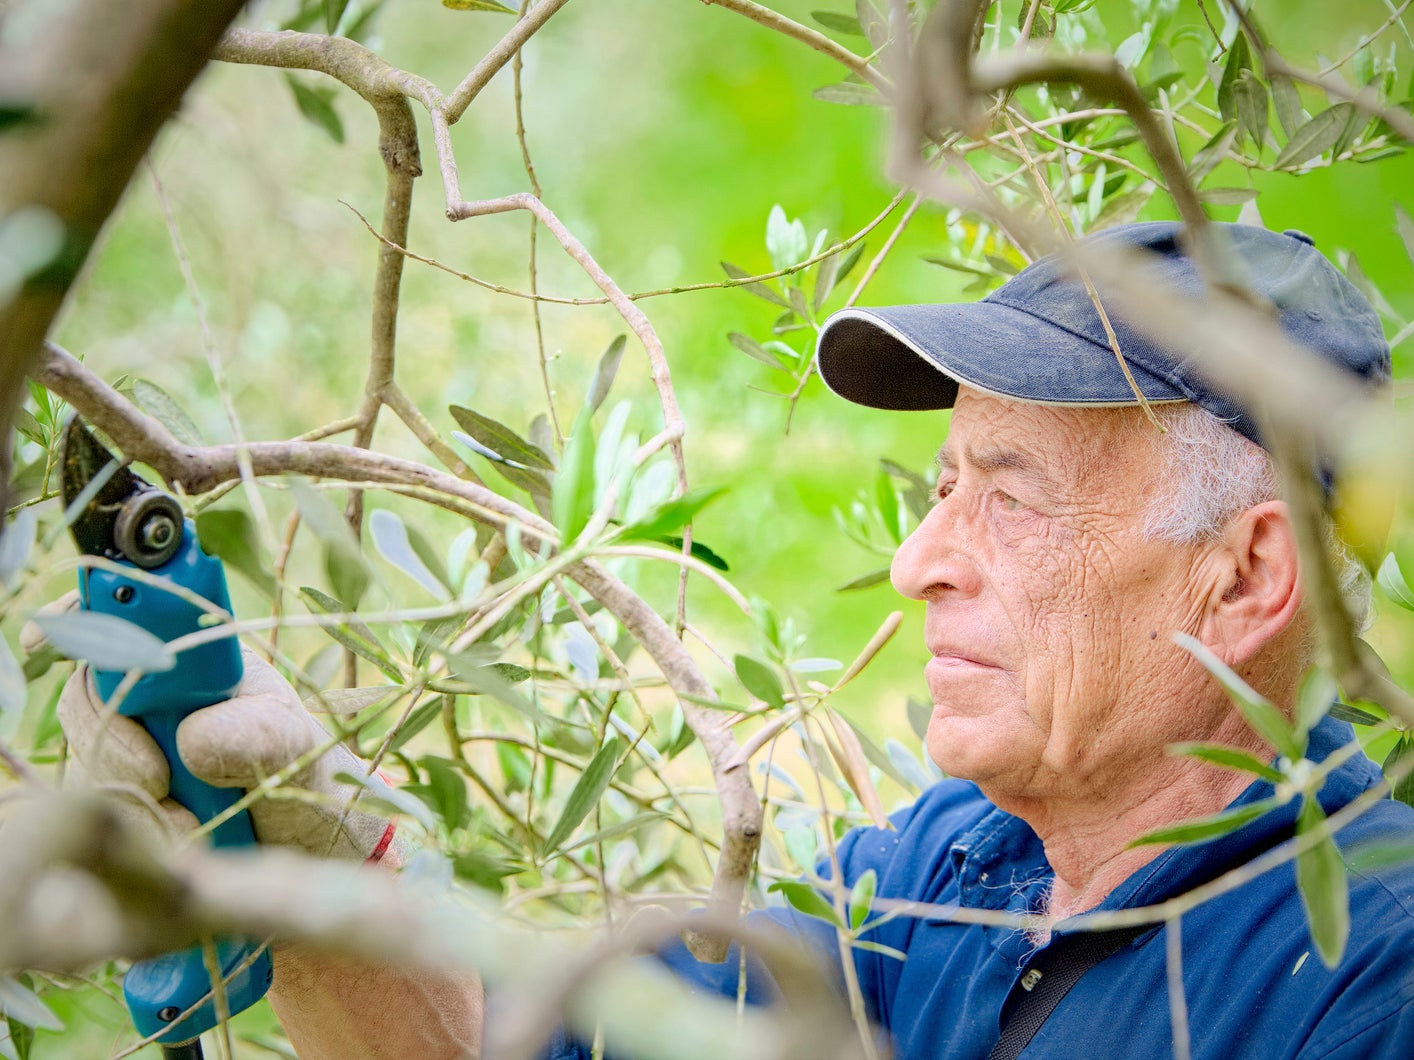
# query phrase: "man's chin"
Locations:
[[982, 748]]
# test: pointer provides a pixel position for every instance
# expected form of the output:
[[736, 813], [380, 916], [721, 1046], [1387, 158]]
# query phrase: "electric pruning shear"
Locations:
[[137, 526]]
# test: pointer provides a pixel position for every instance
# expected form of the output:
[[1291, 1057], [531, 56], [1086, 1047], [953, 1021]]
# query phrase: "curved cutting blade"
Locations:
[[85, 461]]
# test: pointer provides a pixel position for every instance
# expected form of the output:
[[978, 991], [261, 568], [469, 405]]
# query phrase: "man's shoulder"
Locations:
[[1378, 850]]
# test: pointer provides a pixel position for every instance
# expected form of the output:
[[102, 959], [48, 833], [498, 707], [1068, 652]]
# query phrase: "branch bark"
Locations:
[[102, 80], [78, 885]]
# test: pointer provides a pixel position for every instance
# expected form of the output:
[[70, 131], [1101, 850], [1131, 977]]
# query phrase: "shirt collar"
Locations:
[[1000, 863]]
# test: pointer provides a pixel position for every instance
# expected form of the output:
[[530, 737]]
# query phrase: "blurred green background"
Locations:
[[663, 132]]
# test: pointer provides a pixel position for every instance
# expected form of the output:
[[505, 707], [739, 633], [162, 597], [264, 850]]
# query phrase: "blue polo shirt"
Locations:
[[1253, 982]]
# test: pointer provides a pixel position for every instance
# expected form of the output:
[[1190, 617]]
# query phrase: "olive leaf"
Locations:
[[760, 680], [479, 5], [1202, 829], [106, 642], [586, 792], [1268, 722], [1317, 136], [807, 899], [500, 440], [317, 105], [1321, 879]]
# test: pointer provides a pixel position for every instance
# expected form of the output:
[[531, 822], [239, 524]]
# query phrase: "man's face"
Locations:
[[1049, 614]]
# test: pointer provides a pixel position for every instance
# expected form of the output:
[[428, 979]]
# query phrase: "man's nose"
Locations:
[[930, 560]]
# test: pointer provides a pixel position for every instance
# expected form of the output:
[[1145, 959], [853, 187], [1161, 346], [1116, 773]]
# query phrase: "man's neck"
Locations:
[[1087, 840]]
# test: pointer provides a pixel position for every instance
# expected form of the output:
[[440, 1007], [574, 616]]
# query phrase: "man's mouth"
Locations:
[[947, 656]]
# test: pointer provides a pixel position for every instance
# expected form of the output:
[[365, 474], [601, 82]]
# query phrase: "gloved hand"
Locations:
[[238, 743]]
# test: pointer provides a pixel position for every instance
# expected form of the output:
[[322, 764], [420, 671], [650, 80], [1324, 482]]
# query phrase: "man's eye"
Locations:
[[944, 490], [1011, 504]]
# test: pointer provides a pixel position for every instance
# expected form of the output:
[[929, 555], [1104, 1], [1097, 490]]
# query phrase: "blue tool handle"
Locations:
[[161, 989]]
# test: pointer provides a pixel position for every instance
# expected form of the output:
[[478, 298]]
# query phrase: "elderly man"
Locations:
[[1069, 542]]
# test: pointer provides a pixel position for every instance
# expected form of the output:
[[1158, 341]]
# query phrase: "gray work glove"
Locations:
[[238, 743]]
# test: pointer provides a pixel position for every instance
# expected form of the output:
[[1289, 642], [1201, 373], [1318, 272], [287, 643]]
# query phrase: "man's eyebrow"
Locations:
[[990, 460]]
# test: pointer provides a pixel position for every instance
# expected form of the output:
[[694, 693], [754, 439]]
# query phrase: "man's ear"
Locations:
[[1260, 593]]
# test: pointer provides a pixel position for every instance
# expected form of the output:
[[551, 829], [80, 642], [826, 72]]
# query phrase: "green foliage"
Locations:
[[1320, 876], [1266, 720], [106, 642], [808, 900], [317, 106], [1206, 828], [1229, 757], [231, 536], [478, 5], [586, 792], [760, 680], [573, 497], [671, 515]]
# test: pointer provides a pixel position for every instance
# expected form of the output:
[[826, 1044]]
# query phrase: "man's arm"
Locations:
[[344, 1008]]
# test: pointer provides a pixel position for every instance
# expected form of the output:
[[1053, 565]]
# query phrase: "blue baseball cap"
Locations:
[[1038, 338]]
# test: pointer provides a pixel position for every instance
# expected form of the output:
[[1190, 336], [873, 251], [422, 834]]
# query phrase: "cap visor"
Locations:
[[913, 357]]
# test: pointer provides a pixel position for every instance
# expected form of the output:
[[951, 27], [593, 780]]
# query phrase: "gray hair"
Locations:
[[1213, 474]]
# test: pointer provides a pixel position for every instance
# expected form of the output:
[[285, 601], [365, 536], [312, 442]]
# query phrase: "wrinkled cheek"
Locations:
[[1061, 691]]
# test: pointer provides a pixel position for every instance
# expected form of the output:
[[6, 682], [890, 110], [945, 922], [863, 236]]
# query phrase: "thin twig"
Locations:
[[516, 67], [212, 354], [497, 57], [142, 438], [637, 296], [1369, 38], [1218, 37], [1103, 156], [1365, 98], [1178, 1002], [402, 406], [1094, 295], [824, 45]]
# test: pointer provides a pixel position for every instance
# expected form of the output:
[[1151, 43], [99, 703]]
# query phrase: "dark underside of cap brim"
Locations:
[[912, 357]]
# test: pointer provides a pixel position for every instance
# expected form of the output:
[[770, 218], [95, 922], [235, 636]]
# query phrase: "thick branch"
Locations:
[[197, 469], [940, 79], [368, 74], [102, 79]]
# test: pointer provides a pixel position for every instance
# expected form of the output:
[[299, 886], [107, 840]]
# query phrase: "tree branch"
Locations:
[[102, 80], [79, 885], [368, 74], [198, 469], [948, 77], [498, 56], [856, 64]]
